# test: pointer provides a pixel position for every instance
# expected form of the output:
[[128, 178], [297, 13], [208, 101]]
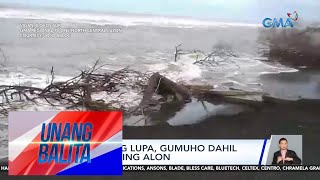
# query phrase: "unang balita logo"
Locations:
[[281, 22]]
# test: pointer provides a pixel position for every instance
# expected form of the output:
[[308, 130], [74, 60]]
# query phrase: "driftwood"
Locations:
[[252, 99], [208, 94], [164, 86], [77, 91], [177, 53], [303, 101]]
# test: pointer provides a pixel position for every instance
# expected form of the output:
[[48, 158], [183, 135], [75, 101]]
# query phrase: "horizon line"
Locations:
[[123, 13]]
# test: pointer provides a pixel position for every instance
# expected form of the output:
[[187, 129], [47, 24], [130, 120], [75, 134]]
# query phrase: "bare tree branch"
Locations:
[[177, 53]]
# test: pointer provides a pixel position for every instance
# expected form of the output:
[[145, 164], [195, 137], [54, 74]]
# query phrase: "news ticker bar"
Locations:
[[216, 168], [210, 168]]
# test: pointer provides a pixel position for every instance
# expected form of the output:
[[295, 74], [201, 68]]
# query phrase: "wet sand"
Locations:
[[293, 85]]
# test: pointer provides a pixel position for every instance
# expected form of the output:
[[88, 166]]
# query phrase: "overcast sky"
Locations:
[[231, 10]]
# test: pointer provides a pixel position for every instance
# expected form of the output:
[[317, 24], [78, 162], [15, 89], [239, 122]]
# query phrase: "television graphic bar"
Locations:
[[65, 143], [190, 152]]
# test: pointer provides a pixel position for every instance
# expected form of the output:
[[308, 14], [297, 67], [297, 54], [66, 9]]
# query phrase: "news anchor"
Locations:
[[285, 156]]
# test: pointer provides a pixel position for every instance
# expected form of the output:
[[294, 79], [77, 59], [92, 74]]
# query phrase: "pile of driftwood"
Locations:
[[76, 93]]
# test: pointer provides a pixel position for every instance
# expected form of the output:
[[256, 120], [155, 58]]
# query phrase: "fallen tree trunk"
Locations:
[[164, 86], [248, 100], [304, 102], [253, 99]]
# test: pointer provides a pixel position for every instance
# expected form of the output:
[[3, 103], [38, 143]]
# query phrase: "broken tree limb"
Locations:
[[177, 53], [164, 86]]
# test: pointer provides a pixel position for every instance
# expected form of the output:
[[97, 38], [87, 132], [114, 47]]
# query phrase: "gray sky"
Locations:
[[231, 10]]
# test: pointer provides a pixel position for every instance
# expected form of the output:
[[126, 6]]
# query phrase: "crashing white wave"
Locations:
[[111, 19], [182, 70], [242, 72]]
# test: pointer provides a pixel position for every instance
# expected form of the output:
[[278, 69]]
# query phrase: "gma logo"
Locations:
[[268, 23]]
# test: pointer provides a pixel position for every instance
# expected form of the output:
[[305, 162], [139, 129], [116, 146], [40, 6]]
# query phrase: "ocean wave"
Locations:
[[242, 72], [111, 19]]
